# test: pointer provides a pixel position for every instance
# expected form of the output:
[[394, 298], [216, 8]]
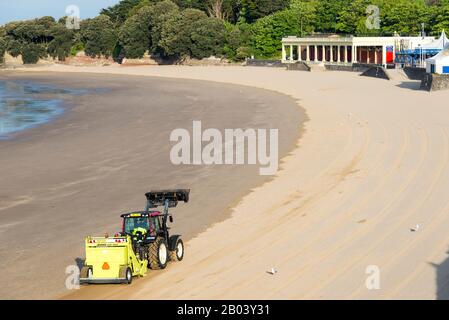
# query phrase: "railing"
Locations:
[[336, 39]]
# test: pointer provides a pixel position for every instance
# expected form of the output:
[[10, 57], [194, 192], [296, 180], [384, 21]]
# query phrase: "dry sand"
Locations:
[[373, 162]]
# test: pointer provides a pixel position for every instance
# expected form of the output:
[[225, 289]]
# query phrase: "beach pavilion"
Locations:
[[348, 50], [439, 63]]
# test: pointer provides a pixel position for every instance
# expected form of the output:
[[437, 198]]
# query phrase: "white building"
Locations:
[[440, 63], [348, 50]]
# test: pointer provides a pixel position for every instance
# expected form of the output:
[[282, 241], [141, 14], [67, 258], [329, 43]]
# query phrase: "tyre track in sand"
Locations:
[[319, 258], [397, 227], [296, 212]]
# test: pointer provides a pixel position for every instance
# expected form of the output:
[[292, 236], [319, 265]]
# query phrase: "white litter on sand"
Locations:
[[272, 271]]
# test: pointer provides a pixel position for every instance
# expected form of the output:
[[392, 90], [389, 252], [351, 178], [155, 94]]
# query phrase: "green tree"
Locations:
[[192, 4], [36, 31], [440, 17], [208, 38], [142, 31], [233, 38], [307, 12], [2, 49], [268, 32], [121, 11], [177, 30], [99, 36], [237, 41], [161, 13], [252, 10], [14, 48], [327, 14], [32, 52], [61, 45], [403, 16], [191, 33], [135, 35]]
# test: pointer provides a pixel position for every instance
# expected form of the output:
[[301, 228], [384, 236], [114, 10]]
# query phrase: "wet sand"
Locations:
[[73, 177]]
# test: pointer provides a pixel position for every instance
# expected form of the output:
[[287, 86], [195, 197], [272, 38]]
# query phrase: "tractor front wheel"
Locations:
[[178, 253], [158, 254]]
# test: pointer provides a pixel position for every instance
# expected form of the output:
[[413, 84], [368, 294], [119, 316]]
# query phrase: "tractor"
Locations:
[[144, 242]]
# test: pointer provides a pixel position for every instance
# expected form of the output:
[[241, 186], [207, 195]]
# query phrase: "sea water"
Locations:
[[24, 105]]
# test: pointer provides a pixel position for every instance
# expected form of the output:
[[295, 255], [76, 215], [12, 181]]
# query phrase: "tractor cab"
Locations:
[[141, 225]]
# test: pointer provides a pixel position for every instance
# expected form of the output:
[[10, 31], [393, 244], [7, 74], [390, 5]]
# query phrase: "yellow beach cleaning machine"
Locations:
[[143, 243], [112, 259]]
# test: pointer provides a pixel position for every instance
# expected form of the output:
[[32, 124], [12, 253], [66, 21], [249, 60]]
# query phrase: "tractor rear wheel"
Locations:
[[158, 254], [178, 253]]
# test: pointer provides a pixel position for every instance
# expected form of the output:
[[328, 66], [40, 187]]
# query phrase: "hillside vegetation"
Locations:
[[232, 29]]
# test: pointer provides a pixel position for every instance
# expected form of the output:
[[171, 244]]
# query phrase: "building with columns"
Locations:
[[348, 50]]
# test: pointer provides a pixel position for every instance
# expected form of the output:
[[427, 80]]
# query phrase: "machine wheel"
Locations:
[[85, 273], [158, 254], [127, 274], [178, 253]]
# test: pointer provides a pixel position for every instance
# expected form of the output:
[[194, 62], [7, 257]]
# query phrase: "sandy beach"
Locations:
[[74, 176], [371, 165]]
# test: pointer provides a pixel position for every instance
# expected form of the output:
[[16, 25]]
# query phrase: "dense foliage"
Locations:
[[99, 36], [61, 45], [142, 31], [35, 39], [234, 29], [192, 33], [2, 49]]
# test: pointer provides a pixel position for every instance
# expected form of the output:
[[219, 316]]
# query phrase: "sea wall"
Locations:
[[338, 67], [361, 67], [264, 63], [355, 67], [376, 72], [415, 73], [299, 66], [435, 82]]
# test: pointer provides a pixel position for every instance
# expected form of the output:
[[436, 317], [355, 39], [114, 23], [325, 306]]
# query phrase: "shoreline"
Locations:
[[214, 217], [58, 99]]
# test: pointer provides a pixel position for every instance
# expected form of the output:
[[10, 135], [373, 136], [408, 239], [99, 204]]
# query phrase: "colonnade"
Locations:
[[319, 53], [334, 53]]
